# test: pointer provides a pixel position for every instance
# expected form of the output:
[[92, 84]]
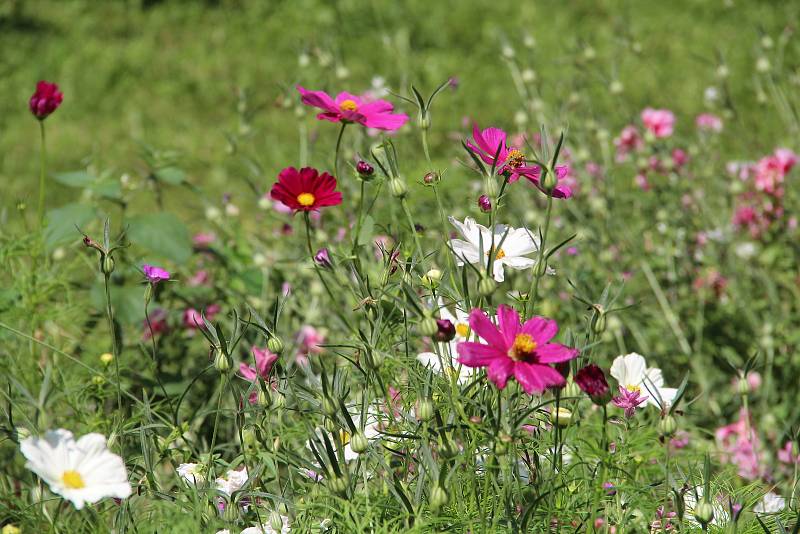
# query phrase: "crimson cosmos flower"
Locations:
[[306, 189], [592, 381], [347, 108], [45, 100], [523, 351]]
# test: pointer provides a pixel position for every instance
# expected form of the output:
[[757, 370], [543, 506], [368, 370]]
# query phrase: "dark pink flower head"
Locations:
[[628, 141], [629, 400], [264, 361], [155, 274], [193, 318], [562, 189], [306, 189], [771, 171], [523, 351], [491, 142], [660, 122], [45, 99], [348, 108], [592, 381]]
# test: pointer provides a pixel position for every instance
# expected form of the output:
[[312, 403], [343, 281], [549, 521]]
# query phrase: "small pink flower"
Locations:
[[628, 400], [679, 157], [739, 447], [155, 274], [200, 278], [660, 122], [193, 319], [786, 454], [523, 351], [264, 361], [45, 100], [349, 108], [203, 239], [309, 340], [628, 141], [708, 122], [642, 182]]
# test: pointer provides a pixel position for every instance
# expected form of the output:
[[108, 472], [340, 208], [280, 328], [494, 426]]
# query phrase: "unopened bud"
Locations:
[[264, 397], [541, 268], [432, 278], [107, 265], [329, 407], [667, 426], [106, 358], [337, 484], [549, 180], [231, 513], [249, 437], [275, 345], [359, 443], [484, 204], [704, 512], [221, 361], [438, 497], [599, 320], [365, 170], [398, 187], [743, 386], [377, 358], [446, 330], [276, 521], [561, 417], [424, 121], [278, 400], [431, 178], [98, 380], [428, 326], [424, 410], [486, 286], [571, 390]]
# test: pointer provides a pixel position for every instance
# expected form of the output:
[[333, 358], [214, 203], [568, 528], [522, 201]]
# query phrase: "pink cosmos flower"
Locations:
[[264, 361], [660, 122], [771, 171], [708, 123], [193, 319], [45, 99], [203, 239], [200, 278], [309, 340], [629, 400], [154, 274], [523, 351], [510, 160], [628, 141], [739, 447], [349, 108]]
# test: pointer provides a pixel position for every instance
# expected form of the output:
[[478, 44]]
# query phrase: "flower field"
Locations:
[[399, 267]]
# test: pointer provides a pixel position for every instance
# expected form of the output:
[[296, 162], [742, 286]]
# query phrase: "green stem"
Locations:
[[451, 264], [425, 145], [115, 352], [336, 154], [540, 270], [42, 168], [360, 216], [216, 425], [413, 228]]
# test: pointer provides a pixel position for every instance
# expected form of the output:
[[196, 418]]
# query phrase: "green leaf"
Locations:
[[163, 234], [62, 223], [171, 175], [75, 178]]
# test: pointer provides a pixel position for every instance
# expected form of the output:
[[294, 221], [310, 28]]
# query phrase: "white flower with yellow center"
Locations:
[[508, 252], [447, 364], [80, 471], [632, 373], [232, 482]]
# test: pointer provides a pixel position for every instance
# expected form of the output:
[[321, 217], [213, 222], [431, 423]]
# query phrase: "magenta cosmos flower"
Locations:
[[511, 161], [264, 362], [45, 100], [523, 351], [306, 189], [660, 122], [155, 274], [349, 108]]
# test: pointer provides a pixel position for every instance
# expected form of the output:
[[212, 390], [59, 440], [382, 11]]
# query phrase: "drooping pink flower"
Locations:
[[629, 400], [264, 361], [155, 274], [523, 351], [708, 122], [660, 122], [45, 99], [347, 108]]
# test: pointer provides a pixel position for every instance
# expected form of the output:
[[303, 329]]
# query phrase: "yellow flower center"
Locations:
[[462, 329], [499, 255], [523, 346], [348, 105], [73, 480], [306, 199], [515, 158], [634, 389]]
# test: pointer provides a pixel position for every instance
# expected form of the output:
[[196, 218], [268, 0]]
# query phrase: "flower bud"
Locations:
[[704, 512], [667, 426], [323, 258], [106, 358], [549, 180], [490, 187], [107, 264], [438, 497], [249, 437], [424, 410], [365, 171], [571, 390], [329, 407], [98, 380], [431, 178], [10, 529], [221, 361], [486, 286], [278, 400], [484, 204], [541, 268], [561, 417], [377, 358], [276, 521], [337, 484], [428, 326], [598, 320], [446, 330], [45, 99], [275, 345], [398, 188], [231, 512], [424, 121], [432, 278], [264, 397], [359, 442], [743, 386]]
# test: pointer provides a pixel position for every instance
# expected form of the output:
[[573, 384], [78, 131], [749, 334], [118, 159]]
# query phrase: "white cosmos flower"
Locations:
[[447, 363], [80, 471], [192, 473], [772, 503], [512, 253], [233, 482], [632, 373], [266, 529]]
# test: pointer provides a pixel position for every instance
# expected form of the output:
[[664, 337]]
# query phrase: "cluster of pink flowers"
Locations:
[[739, 444], [760, 208]]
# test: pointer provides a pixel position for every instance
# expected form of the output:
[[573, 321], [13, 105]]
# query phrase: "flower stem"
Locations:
[[540, 271], [412, 227], [336, 153], [42, 168]]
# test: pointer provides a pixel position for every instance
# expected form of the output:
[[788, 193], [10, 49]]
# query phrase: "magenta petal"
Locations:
[[474, 354], [508, 321], [490, 140], [555, 353], [549, 376], [386, 121], [540, 329], [499, 371], [483, 326], [528, 377], [377, 106], [319, 99], [247, 372]]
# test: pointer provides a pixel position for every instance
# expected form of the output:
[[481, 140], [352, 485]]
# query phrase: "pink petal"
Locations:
[[555, 353], [499, 371], [474, 354], [318, 99], [483, 326], [508, 321], [247, 372], [386, 121], [549, 376], [540, 329], [344, 95], [528, 377]]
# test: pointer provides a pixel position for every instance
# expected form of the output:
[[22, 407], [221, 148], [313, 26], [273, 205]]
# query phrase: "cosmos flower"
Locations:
[[45, 99], [523, 351], [659, 122], [632, 373], [446, 364], [155, 274], [306, 189], [629, 400], [191, 473], [264, 361], [771, 503], [233, 481], [512, 252], [82, 471], [491, 142], [349, 108]]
